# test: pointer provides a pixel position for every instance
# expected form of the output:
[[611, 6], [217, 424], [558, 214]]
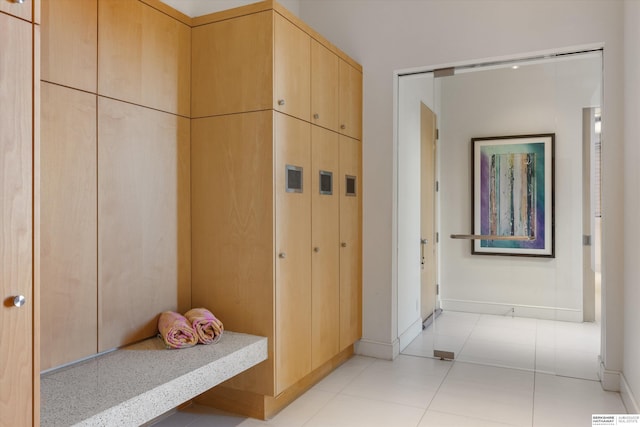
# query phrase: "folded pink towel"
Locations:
[[175, 330], [208, 328]]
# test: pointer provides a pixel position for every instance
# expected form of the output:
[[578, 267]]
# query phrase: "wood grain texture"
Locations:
[[16, 231], [350, 101], [292, 64], [325, 74], [233, 230], [144, 56], [143, 220], [70, 43], [36, 227], [20, 10], [293, 238], [233, 66], [68, 226], [351, 244], [325, 237]]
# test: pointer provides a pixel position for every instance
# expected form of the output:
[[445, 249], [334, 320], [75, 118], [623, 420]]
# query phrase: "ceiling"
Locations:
[[195, 8]]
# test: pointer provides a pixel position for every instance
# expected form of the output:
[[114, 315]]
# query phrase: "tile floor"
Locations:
[[417, 391]]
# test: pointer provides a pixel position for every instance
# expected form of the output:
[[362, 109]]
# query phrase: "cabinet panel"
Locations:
[[70, 43], [292, 80], [233, 65], [325, 72], [293, 253], [21, 10], [350, 241], [350, 101], [144, 56], [232, 222], [325, 229], [143, 220], [16, 231], [68, 226]]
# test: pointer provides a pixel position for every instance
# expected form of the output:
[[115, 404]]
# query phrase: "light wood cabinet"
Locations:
[[350, 101], [70, 43], [292, 64], [266, 66], [144, 56], [144, 246], [325, 229], [68, 225], [19, 382], [24, 10], [268, 100], [350, 241], [325, 76], [244, 80]]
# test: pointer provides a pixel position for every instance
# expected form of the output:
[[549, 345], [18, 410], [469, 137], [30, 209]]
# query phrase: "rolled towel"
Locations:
[[176, 331], [208, 328]]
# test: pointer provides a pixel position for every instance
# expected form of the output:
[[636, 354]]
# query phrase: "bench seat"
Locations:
[[138, 383]]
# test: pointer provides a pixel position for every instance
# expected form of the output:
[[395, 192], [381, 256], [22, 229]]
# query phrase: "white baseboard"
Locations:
[[610, 380], [410, 334], [517, 310], [628, 398], [379, 350]]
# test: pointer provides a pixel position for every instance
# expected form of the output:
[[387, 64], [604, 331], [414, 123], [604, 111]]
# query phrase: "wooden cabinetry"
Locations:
[[70, 43], [325, 229], [350, 101], [144, 230], [68, 238], [350, 241], [144, 56], [269, 168], [324, 87], [19, 382]]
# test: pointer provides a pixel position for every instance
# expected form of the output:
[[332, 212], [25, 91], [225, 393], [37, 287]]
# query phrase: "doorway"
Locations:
[[499, 297]]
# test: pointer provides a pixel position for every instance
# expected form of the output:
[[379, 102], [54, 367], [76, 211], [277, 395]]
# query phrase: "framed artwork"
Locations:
[[513, 180]]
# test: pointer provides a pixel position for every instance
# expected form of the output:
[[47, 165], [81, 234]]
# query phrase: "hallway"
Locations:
[[417, 391]]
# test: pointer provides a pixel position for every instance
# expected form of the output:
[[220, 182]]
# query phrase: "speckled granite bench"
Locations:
[[135, 384]]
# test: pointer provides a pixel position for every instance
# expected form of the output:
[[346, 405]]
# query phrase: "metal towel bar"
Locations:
[[490, 237]]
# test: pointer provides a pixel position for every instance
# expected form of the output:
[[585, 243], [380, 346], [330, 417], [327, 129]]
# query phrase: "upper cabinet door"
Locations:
[[144, 56], [350, 101], [16, 230], [233, 66], [325, 75], [70, 43], [21, 10], [292, 80]]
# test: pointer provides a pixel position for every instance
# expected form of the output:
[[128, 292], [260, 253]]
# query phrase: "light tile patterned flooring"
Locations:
[[529, 385]]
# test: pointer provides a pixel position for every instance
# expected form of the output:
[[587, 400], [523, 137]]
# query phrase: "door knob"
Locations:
[[316, 116], [423, 241], [343, 244], [280, 101], [282, 255], [316, 249], [19, 300]]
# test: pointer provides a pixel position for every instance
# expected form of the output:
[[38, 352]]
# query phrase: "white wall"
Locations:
[[412, 90], [195, 8], [632, 207], [389, 35], [541, 98]]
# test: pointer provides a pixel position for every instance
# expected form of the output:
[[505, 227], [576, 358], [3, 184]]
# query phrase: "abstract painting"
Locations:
[[513, 194]]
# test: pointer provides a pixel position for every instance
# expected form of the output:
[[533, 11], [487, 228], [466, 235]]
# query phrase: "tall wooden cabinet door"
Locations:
[[68, 226], [350, 241], [292, 80], [16, 230], [350, 101], [325, 72], [325, 229], [293, 250]]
